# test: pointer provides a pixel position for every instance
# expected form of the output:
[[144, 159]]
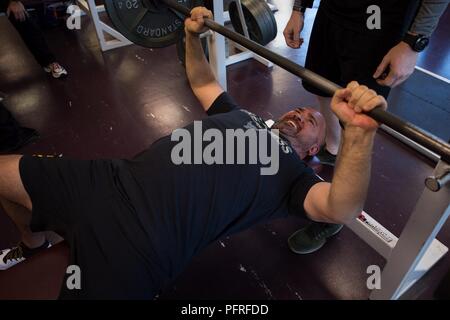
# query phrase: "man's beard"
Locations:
[[291, 134]]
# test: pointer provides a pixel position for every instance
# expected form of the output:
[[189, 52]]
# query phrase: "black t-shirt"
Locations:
[[396, 15], [186, 207]]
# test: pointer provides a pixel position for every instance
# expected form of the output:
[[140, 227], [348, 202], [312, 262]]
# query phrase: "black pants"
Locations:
[[342, 55], [9, 128], [32, 36]]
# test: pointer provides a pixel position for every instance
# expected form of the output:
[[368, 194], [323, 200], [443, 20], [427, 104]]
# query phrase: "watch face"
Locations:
[[421, 44]]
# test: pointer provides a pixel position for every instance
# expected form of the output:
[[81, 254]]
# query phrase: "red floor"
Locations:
[[114, 104]]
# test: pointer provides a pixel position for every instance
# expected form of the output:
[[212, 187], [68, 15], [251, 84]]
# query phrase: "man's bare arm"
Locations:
[[201, 78], [343, 199]]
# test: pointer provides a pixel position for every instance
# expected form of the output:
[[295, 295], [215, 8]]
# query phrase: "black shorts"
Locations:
[[343, 55], [83, 202]]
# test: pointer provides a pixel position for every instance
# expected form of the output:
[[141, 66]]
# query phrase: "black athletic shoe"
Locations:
[[312, 237]]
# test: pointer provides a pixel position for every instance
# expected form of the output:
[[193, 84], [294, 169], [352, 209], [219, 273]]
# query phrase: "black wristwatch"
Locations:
[[298, 6], [417, 42], [299, 9]]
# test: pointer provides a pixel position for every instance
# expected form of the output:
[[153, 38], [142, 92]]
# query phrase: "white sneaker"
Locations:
[[56, 70], [12, 256]]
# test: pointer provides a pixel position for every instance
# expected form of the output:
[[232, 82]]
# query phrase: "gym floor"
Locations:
[[114, 104]]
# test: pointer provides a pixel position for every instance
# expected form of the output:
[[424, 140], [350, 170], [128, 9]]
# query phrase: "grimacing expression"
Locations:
[[304, 128]]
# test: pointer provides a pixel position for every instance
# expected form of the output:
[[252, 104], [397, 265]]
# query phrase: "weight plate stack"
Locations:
[[271, 30], [259, 6], [259, 18]]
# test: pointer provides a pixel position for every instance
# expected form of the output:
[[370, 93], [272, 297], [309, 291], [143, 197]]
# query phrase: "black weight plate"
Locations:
[[271, 24], [266, 20], [257, 10], [250, 19], [273, 29], [254, 23], [259, 19], [149, 23], [235, 21]]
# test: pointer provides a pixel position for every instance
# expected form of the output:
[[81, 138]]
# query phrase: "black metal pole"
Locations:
[[407, 129]]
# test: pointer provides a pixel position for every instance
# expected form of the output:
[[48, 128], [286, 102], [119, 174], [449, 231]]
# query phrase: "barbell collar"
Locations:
[[436, 183]]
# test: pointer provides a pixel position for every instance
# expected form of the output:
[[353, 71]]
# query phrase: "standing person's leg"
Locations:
[[322, 59], [333, 136], [349, 56], [361, 57], [34, 39]]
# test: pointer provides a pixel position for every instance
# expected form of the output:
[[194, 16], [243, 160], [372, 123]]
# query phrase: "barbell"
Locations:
[[159, 23]]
